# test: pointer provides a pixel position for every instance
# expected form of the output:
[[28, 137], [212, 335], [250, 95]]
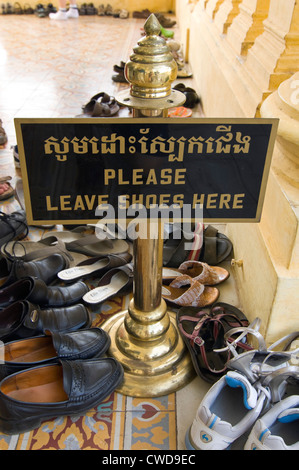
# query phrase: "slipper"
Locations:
[[89, 245], [204, 331], [165, 22], [119, 68], [166, 33], [141, 14], [9, 191], [124, 14], [101, 105], [94, 266], [199, 244], [202, 272], [216, 246], [34, 250], [194, 295], [101, 10], [117, 281], [192, 98], [182, 244]]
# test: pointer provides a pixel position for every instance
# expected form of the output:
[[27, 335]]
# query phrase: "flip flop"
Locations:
[[202, 272], [89, 245], [117, 281], [194, 295], [94, 266], [9, 192]]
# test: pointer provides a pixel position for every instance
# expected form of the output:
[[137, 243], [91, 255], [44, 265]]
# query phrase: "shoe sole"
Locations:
[[188, 442]]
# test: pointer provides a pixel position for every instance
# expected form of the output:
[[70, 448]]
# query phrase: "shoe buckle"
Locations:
[[34, 316]]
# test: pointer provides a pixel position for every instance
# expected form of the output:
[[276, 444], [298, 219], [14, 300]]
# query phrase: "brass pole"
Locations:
[[145, 339]]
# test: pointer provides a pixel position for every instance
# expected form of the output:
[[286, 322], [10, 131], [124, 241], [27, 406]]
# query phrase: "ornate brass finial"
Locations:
[[151, 68]]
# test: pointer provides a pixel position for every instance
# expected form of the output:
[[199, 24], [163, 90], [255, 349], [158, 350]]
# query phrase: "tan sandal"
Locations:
[[202, 272], [196, 295]]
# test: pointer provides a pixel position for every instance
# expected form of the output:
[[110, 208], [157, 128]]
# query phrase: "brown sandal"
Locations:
[[9, 191], [101, 105], [196, 295]]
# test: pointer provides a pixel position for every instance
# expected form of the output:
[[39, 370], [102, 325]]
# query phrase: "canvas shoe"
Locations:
[[228, 410], [59, 15], [278, 429], [72, 13]]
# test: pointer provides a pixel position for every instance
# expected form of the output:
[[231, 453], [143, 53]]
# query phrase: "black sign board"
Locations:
[[72, 166]]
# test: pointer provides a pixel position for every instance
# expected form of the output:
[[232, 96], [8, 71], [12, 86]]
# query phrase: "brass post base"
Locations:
[[156, 365]]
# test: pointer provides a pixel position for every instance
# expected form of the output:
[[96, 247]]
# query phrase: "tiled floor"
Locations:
[[51, 69]]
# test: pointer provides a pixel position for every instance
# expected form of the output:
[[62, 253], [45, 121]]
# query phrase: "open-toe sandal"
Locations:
[[203, 332], [116, 281], [202, 272], [200, 244], [89, 245], [95, 266], [260, 360], [27, 250], [185, 291]]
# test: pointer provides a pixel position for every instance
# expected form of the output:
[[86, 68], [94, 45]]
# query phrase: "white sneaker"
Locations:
[[278, 429], [59, 15], [72, 13], [228, 410]]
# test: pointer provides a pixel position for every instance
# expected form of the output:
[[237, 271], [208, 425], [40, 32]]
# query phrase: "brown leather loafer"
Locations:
[[72, 387], [41, 350], [24, 319], [36, 291]]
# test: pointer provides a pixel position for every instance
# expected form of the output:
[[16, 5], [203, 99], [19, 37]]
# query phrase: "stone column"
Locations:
[[247, 25], [227, 11], [275, 53], [280, 222]]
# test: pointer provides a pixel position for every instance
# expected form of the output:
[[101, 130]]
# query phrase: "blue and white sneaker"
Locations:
[[278, 429], [228, 410]]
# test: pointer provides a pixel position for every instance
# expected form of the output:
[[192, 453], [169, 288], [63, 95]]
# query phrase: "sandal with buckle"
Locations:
[[203, 332], [261, 360]]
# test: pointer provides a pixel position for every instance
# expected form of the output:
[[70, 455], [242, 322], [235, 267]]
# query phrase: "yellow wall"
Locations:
[[130, 5]]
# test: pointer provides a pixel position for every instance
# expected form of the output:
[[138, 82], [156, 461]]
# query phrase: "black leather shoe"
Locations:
[[24, 319], [12, 225], [36, 291], [72, 387], [41, 350], [45, 269]]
